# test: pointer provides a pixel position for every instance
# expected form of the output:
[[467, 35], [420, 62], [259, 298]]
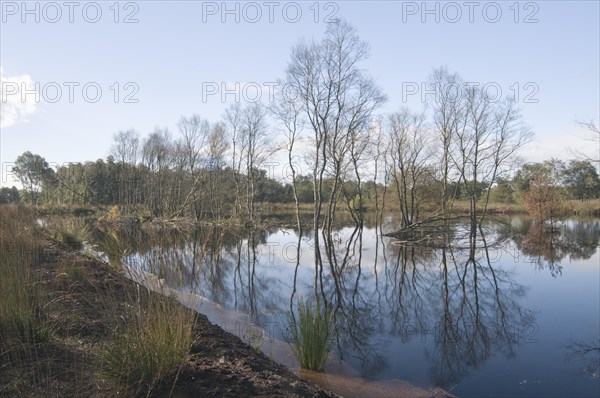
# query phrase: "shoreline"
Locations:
[[339, 378], [86, 295]]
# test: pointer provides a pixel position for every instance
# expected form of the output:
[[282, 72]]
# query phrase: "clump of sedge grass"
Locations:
[[151, 350], [311, 335], [73, 232], [113, 244], [70, 240], [23, 328]]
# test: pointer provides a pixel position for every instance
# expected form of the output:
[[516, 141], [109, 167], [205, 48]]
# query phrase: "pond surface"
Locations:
[[517, 313]]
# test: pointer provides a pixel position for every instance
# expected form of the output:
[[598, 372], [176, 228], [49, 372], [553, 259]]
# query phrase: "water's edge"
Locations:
[[339, 377]]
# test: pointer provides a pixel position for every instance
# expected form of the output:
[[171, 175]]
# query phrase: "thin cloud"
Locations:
[[15, 109]]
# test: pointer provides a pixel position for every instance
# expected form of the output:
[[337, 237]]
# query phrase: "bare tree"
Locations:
[[350, 143], [193, 133], [593, 137], [288, 112], [510, 134], [217, 146], [485, 146], [473, 142], [125, 146], [381, 155], [125, 150], [254, 138], [247, 129], [157, 156], [233, 124], [448, 118], [361, 143], [338, 100], [410, 149], [157, 150]]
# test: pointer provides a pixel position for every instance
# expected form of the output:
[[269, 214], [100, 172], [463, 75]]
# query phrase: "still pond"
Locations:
[[517, 313]]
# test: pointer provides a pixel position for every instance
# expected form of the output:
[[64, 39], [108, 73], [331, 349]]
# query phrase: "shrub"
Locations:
[[543, 201]]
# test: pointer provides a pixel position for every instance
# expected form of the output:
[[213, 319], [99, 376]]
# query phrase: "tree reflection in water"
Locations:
[[355, 314], [587, 354], [480, 311], [457, 294], [548, 247]]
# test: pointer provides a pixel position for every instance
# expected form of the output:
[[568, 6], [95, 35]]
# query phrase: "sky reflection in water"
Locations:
[[512, 316]]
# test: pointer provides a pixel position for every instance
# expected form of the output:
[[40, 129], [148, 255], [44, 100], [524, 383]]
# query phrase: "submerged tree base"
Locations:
[[435, 233]]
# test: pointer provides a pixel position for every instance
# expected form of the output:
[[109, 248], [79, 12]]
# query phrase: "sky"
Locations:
[[73, 73]]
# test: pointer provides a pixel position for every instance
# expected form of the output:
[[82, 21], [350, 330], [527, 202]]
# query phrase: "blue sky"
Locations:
[[546, 51]]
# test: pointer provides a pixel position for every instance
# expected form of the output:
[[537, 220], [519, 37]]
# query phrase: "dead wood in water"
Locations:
[[433, 232]]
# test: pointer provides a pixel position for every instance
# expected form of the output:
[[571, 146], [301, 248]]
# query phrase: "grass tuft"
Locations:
[[311, 335], [73, 232], [153, 347]]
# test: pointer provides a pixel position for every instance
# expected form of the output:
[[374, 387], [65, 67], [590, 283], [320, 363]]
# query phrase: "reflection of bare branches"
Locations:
[[355, 316], [583, 237], [581, 348], [480, 313], [294, 287], [548, 247], [588, 353], [454, 293], [255, 295], [409, 281]]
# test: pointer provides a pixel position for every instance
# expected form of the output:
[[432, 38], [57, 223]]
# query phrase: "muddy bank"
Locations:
[[339, 377], [85, 304]]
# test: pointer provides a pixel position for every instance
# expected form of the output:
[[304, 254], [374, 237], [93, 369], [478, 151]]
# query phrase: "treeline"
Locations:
[[164, 191], [341, 154], [108, 182]]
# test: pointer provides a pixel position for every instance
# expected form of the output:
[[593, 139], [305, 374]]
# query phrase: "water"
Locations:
[[516, 314]]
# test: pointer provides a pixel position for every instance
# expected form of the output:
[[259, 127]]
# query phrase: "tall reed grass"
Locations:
[[23, 327], [311, 335]]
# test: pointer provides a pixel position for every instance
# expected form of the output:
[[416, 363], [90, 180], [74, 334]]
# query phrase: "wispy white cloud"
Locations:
[[13, 108]]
